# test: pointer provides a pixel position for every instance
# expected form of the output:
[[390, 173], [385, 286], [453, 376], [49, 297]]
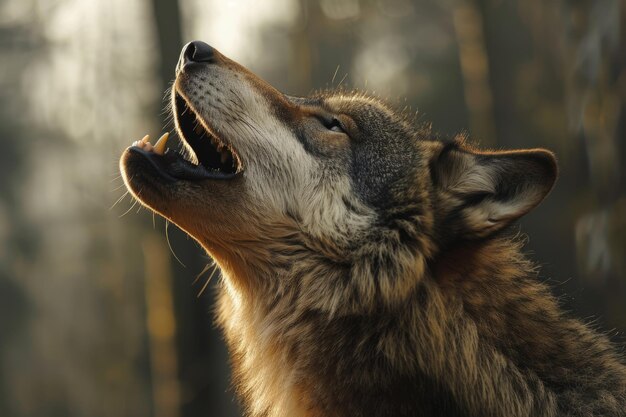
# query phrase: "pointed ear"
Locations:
[[479, 193]]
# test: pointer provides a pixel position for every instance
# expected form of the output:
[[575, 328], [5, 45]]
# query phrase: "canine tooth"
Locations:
[[159, 147], [145, 139]]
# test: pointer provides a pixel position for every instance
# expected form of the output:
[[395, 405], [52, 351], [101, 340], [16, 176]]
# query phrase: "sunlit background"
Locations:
[[98, 317]]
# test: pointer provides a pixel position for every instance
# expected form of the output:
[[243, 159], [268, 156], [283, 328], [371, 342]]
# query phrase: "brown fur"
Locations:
[[371, 271]]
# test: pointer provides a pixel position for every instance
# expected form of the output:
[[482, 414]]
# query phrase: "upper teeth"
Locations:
[[222, 149], [217, 144], [199, 129], [158, 148]]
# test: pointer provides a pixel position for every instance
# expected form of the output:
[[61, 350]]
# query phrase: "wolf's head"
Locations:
[[272, 182]]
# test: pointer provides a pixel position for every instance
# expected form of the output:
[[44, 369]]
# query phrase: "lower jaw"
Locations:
[[172, 167]]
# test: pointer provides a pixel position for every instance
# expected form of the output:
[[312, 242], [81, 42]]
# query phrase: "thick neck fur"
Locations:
[[467, 332]]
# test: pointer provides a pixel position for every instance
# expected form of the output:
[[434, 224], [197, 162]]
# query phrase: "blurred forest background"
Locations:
[[98, 318]]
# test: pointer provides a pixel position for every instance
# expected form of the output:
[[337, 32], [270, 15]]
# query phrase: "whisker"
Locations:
[[335, 74], [206, 268], [118, 187], [342, 80], [119, 199], [131, 207], [206, 284], [167, 237]]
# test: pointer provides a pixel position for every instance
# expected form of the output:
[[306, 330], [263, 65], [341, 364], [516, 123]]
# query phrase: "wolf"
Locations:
[[369, 267]]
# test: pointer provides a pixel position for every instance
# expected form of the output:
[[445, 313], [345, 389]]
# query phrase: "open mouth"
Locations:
[[205, 147], [205, 155]]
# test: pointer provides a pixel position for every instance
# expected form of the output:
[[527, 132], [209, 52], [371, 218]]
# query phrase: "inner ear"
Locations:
[[482, 192]]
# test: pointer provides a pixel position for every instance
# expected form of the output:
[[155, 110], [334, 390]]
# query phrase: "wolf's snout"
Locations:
[[195, 51]]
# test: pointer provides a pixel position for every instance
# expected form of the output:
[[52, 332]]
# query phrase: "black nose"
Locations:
[[196, 51]]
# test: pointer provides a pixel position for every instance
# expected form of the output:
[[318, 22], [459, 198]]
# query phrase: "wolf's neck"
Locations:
[[332, 323], [473, 316]]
